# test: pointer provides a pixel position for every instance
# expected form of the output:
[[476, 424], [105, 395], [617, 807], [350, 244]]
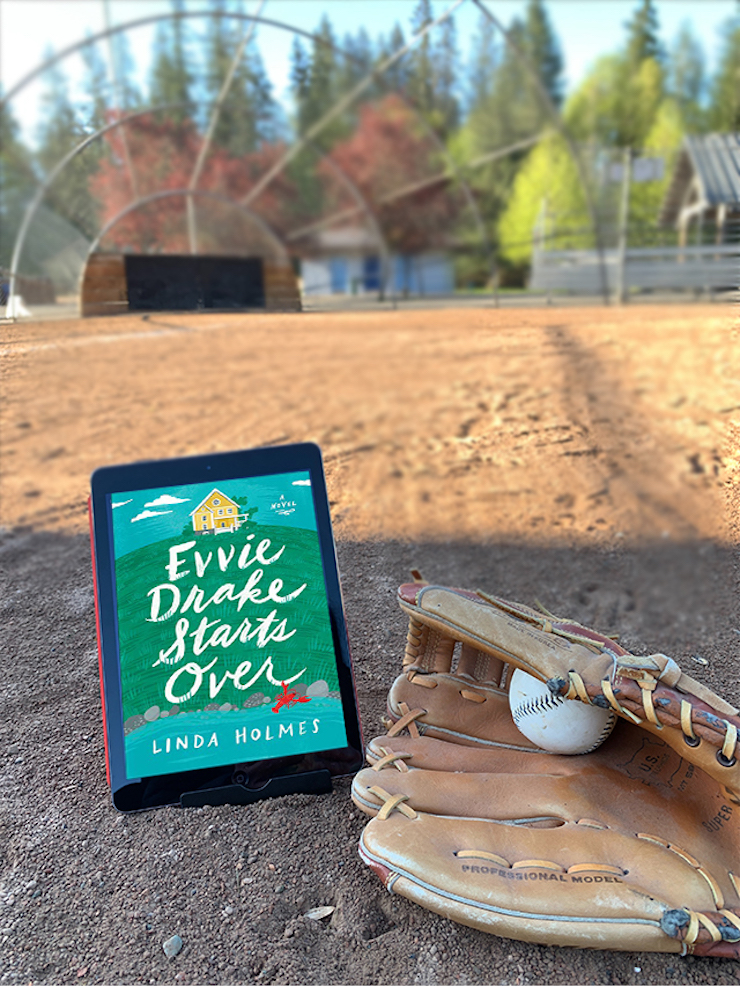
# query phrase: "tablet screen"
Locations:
[[224, 633]]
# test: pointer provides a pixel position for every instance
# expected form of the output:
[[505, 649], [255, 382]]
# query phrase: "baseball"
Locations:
[[562, 726]]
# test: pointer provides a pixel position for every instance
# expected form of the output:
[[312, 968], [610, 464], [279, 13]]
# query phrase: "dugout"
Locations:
[[238, 262], [113, 283]]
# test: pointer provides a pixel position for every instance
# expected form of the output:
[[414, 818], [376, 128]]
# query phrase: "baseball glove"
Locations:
[[634, 846]]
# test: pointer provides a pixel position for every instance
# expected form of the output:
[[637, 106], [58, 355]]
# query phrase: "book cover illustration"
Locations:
[[225, 643]]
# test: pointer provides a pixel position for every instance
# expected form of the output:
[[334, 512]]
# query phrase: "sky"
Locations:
[[30, 29]]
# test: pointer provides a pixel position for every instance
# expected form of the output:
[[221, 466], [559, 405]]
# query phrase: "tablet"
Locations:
[[224, 660]]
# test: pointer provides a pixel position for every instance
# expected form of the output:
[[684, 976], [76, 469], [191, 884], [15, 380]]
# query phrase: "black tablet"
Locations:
[[224, 659]]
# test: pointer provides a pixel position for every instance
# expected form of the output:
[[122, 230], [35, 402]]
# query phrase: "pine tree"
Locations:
[[247, 115], [420, 86], [507, 108], [171, 80], [484, 60], [316, 79], [358, 59], [397, 76], [127, 96], [724, 105], [299, 69], [687, 78], [96, 85], [17, 182], [59, 132], [446, 76], [642, 40], [323, 74], [543, 50]]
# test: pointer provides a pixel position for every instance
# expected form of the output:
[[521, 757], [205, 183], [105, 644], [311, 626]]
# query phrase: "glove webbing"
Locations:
[[711, 727]]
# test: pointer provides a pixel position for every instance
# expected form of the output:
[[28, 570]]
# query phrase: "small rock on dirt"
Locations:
[[172, 946]]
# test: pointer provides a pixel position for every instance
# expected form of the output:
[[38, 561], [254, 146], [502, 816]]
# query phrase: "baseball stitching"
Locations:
[[544, 704]]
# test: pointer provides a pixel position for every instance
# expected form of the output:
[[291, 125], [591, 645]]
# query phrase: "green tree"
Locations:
[[316, 77], [664, 140], [433, 71], [643, 35], [96, 86], [300, 67], [127, 95], [507, 108], [17, 182], [420, 86], [687, 77], [446, 115], [59, 132], [484, 61], [357, 61], [247, 113], [397, 76], [546, 186], [543, 50], [171, 79], [724, 104], [616, 105]]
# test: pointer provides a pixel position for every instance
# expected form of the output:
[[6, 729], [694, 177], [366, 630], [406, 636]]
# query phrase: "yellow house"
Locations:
[[216, 513]]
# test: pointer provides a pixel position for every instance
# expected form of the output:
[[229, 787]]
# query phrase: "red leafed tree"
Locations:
[[386, 157], [163, 154], [389, 153]]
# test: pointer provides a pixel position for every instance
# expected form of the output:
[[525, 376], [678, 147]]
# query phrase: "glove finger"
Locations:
[[453, 708], [546, 790], [571, 885], [404, 752]]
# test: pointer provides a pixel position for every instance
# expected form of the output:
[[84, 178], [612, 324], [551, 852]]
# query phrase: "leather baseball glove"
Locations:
[[635, 846]]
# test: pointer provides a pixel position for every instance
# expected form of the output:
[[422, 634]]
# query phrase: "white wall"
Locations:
[[421, 274]]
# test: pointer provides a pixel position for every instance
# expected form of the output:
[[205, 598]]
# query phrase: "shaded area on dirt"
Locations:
[[89, 895]]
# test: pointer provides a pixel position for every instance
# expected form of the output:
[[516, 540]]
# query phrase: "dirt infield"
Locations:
[[584, 457]]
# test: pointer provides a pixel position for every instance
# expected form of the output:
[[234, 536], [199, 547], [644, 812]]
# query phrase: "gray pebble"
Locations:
[[172, 947], [152, 714], [133, 723], [318, 690]]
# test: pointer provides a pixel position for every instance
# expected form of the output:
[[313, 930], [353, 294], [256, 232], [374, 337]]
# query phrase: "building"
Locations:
[[217, 513], [351, 261], [705, 187]]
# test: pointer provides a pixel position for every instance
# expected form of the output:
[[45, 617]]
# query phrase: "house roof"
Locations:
[[214, 491], [713, 160]]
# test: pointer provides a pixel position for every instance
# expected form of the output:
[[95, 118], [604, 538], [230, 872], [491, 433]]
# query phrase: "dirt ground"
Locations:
[[585, 457]]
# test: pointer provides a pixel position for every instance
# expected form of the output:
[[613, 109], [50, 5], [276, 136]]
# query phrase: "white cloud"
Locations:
[[167, 499], [121, 503], [301, 483], [145, 514]]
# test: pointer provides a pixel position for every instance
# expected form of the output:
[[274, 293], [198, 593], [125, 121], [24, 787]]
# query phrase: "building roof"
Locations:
[[208, 497], [713, 160]]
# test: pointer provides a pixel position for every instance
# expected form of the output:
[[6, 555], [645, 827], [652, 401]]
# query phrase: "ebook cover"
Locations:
[[225, 642]]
